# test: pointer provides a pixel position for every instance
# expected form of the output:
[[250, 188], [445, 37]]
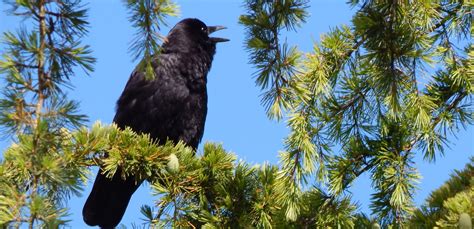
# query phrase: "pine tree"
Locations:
[[363, 89], [51, 150], [37, 173], [450, 204]]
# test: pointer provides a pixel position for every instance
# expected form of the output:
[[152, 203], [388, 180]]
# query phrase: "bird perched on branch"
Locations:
[[171, 106]]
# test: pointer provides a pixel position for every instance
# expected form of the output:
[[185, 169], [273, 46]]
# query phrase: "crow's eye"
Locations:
[[203, 29]]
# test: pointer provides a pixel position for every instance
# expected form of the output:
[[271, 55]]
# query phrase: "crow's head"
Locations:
[[190, 35]]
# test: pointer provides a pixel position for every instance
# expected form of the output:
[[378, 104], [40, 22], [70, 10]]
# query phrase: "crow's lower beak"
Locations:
[[211, 29]]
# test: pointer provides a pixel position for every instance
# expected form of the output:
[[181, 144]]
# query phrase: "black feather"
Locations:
[[172, 106]]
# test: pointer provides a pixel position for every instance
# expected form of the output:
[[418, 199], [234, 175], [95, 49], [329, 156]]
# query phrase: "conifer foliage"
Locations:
[[449, 206], [395, 83], [371, 95], [38, 172]]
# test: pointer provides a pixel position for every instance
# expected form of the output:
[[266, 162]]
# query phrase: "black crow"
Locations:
[[172, 106]]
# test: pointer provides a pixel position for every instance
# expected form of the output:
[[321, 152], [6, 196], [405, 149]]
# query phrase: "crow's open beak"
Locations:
[[211, 29]]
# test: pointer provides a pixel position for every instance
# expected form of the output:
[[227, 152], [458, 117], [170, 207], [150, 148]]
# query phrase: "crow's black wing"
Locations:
[[147, 106], [153, 106], [171, 107]]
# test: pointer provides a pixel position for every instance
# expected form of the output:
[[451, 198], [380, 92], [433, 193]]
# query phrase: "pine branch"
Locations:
[[436, 120], [39, 104], [34, 69], [348, 54], [295, 165], [148, 16], [274, 61], [41, 70], [449, 15]]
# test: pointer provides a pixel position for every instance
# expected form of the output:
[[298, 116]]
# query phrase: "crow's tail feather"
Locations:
[[108, 200]]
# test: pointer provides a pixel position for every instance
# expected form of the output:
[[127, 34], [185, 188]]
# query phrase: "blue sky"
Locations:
[[236, 117]]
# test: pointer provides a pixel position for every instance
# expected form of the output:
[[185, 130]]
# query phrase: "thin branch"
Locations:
[[436, 120], [446, 18], [22, 65], [354, 48], [39, 105], [295, 165]]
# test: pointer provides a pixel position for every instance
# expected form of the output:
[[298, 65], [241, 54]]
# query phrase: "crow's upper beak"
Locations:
[[211, 29]]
